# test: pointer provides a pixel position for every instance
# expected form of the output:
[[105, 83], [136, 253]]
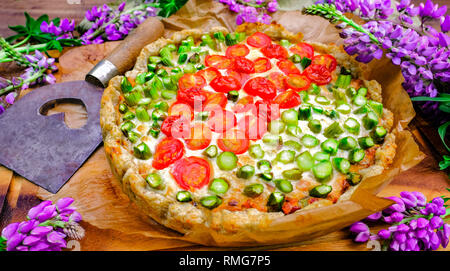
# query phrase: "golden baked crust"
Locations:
[[187, 218]]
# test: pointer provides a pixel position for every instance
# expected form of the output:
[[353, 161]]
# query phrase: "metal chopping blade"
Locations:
[[56, 151]]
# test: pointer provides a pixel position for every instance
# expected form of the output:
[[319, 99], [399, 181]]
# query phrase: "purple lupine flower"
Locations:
[[384, 234], [394, 218], [399, 206], [272, 6], [50, 234], [445, 23], [409, 198], [358, 227], [10, 98], [62, 31], [103, 22], [417, 224], [374, 217]]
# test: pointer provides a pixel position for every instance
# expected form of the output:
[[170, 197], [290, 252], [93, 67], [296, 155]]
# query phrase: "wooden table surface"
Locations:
[[17, 195]]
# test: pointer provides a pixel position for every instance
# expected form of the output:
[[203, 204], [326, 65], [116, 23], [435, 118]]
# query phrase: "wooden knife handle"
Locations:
[[125, 54], [123, 57]]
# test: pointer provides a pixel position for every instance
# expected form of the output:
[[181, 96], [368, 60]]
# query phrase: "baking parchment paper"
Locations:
[[103, 205]]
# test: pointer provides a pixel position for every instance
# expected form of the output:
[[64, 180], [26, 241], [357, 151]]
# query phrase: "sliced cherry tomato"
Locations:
[[298, 82], [215, 100], [180, 108], [303, 49], [190, 80], [199, 138], [326, 60], [167, 152], [242, 77], [287, 67], [191, 96], [262, 87], [319, 74], [176, 126], [277, 79], [243, 105], [243, 65], [192, 172], [275, 51], [258, 40], [233, 141], [225, 84], [262, 64], [237, 50], [288, 99], [267, 110], [253, 127], [209, 73], [221, 121], [219, 62]]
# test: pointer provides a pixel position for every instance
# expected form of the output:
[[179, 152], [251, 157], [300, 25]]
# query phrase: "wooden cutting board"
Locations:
[[17, 195]]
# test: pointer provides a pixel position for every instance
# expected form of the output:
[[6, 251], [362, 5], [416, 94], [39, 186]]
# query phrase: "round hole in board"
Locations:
[[75, 113]]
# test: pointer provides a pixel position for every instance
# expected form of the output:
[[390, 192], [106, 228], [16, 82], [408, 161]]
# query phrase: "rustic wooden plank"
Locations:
[[6, 176]]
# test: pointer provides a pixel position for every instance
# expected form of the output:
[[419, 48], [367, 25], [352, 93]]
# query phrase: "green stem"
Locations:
[[26, 49], [251, 4], [31, 79], [4, 60], [21, 42], [331, 13]]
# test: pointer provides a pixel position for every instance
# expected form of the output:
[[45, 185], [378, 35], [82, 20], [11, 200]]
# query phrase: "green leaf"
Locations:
[[444, 163], [169, 7], [442, 131], [29, 21], [433, 99]]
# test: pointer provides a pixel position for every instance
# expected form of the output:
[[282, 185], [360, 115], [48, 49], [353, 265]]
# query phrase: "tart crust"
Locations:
[[221, 224]]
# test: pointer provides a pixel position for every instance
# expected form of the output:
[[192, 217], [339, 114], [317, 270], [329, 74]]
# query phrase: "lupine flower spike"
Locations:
[[46, 229], [415, 224]]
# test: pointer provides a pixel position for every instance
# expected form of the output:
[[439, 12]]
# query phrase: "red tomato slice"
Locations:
[[176, 126], [253, 127], [288, 99], [167, 152], [180, 108], [275, 51], [298, 82], [237, 50], [326, 60], [191, 96], [190, 80], [221, 121], [215, 101], [243, 65], [262, 87], [243, 105], [192, 172], [233, 141], [225, 84], [287, 67], [267, 110], [319, 74], [303, 49], [199, 138], [262, 64], [219, 62], [242, 77], [209, 73], [258, 40], [277, 79]]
